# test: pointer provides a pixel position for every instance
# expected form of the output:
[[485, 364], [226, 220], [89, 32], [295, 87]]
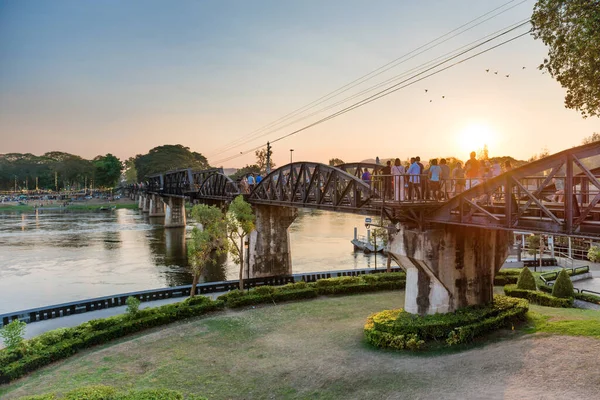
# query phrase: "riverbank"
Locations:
[[99, 206], [316, 349]]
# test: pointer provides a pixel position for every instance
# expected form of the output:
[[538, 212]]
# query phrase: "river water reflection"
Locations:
[[49, 257]]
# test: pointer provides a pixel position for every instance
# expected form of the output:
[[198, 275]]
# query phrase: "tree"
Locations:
[[205, 241], [571, 30], [167, 158], [261, 160], [336, 161], [248, 169], [107, 170], [533, 244], [240, 222], [130, 173], [483, 153], [595, 137]]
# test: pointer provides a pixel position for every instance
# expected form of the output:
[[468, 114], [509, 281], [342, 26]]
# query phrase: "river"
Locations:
[[49, 257]]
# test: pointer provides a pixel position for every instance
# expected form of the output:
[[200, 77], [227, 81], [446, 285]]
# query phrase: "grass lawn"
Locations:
[[316, 350]]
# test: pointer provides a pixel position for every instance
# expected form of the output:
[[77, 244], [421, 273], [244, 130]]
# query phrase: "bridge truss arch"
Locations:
[[558, 194], [217, 186], [314, 185], [358, 168]]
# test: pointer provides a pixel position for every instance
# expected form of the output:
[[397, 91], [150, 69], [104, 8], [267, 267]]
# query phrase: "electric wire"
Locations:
[[392, 64], [379, 85], [386, 92]]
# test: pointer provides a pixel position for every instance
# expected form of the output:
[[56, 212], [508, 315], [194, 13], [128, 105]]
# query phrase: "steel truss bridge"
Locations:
[[523, 199]]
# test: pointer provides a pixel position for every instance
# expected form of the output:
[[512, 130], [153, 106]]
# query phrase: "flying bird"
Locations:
[[507, 75], [487, 70], [523, 67], [496, 72], [431, 101], [425, 90]]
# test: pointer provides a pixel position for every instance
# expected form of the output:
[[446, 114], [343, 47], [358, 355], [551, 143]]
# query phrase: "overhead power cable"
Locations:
[[379, 85], [245, 138], [390, 90]]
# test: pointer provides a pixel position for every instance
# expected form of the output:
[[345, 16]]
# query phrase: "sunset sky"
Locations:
[[121, 77]]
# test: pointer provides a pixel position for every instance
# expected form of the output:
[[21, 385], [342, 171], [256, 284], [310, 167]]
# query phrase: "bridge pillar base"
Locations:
[[449, 267], [270, 252], [157, 206], [141, 201], [145, 203], [175, 212]]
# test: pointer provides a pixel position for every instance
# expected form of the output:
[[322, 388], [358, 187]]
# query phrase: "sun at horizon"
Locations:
[[474, 136]]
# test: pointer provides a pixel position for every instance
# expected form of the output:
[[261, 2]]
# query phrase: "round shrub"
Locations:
[[563, 287], [526, 280]]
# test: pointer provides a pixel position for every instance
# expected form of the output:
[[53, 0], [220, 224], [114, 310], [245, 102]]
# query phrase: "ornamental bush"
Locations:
[[133, 306], [537, 297], [12, 334], [398, 329], [526, 280], [101, 392], [563, 287]]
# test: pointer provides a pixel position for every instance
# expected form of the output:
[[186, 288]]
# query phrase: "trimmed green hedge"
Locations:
[[100, 392], [398, 329], [537, 297], [590, 298], [507, 277], [62, 343], [303, 290]]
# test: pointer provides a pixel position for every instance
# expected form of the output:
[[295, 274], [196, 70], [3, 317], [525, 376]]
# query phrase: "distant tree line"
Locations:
[[57, 170]]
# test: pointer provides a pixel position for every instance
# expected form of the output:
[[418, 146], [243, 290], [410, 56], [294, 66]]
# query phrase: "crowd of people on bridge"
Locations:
[[437, 181]]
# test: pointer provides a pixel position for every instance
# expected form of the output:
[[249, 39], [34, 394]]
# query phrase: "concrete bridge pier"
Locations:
[[449, 267], [157, 206], [270, 252], [175, 212], [141, 201], [145, 203]]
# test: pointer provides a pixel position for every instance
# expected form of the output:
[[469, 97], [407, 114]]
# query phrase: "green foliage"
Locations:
[[303, 290], [248, 169], [101, 392], [261, 160], [130, 173], [166, 158], [563, 287], [335, 162], [133, 306], [594, 254], [240, 222], [97, 392], [533, 244], [570, 30], [56, 345], [208, 241], [107, 170], [12, 334], [537, 297], [396, 328], [526, 280]]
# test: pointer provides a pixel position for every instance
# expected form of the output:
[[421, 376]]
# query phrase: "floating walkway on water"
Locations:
[[118, 300]]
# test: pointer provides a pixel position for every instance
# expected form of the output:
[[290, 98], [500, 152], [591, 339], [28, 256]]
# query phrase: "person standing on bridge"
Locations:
[[387, 179], [434, 179], [458, 175], [444, 179], [414, 183], [251, 181], [398, 173], [473, 170]]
